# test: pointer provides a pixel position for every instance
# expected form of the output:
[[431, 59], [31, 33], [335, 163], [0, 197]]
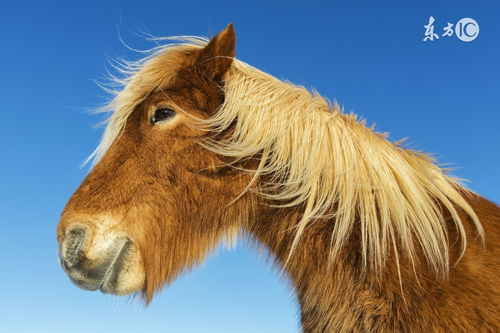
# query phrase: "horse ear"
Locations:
[[217, 56]]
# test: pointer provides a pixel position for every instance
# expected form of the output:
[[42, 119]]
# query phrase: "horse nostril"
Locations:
[[71, 247]]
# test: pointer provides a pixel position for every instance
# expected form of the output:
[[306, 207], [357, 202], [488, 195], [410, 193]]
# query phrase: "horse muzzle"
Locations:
[[104, 262]]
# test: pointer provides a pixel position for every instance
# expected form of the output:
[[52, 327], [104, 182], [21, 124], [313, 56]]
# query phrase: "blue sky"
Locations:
[[370, 57]]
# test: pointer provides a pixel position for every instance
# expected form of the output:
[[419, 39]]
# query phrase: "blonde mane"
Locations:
[[315, 157]]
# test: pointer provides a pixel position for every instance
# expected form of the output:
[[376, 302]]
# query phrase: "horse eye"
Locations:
[[162, 114]]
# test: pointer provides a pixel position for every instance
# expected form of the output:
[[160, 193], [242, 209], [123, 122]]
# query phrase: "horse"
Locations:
[[201, 148]]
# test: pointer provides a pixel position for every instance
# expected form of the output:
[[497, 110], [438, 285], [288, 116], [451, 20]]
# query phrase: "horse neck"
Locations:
[[333, 293]]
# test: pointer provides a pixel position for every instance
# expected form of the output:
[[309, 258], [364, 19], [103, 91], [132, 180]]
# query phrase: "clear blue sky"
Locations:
[[443, 95]]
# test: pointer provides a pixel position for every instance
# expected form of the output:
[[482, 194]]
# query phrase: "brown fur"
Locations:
[[173, 198]]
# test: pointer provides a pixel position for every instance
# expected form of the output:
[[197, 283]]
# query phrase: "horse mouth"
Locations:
[[101, 274], [110, 281]]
